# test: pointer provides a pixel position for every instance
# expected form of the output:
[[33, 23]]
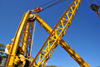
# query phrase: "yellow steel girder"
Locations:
[[22, 38], [55, 37], [16, 41], [63, 44]]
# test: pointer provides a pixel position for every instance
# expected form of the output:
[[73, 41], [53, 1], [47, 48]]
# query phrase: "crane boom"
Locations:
[[63, 44], [52, 41], [22, 38]]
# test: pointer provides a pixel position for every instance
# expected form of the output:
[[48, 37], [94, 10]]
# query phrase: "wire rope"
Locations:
[[32, 38], [95, 2], [47, 3], [88, 2], [54, 4]]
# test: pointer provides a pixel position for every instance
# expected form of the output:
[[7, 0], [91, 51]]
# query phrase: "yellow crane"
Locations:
[[21, 43]]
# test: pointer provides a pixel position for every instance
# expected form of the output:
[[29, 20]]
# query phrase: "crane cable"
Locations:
[[53, 4], [39, 9], [94, 1], [32, 38], [47, 3], [88, 2]]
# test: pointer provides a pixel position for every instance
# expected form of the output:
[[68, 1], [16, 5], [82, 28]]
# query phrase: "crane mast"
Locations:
[[23, 38]]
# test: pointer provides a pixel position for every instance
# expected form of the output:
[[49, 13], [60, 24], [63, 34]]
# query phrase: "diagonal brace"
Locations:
[[63, 44]]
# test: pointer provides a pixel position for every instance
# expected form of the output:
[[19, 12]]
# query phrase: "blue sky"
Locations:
[[83, 35]]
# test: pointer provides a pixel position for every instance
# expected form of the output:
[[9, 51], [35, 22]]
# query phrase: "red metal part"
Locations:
[[38, 9]]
